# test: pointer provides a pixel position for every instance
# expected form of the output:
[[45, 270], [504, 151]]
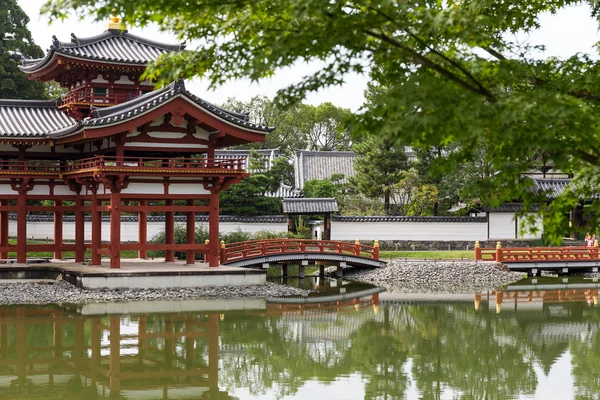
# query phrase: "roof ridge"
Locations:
[[29, 103], [328, 152], [86, 41]]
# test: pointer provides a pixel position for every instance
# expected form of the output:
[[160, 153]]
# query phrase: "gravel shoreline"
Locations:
[[437, 277], [45, 292]]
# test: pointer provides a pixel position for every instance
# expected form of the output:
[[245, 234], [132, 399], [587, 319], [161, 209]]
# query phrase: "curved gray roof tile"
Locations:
[[111, 46], [34, 119]]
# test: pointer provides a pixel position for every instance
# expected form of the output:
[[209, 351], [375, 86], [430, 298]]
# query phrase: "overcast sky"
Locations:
[[572, 30]]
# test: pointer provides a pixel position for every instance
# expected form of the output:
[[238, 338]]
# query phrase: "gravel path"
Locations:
[[44, 292], [436, 277]]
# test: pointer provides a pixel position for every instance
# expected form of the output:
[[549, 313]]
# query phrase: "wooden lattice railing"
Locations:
[[536, 254], [259, 248]]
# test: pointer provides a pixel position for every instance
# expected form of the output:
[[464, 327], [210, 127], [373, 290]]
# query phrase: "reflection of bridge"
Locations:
[[533, 260], [302, 252], [82, 358]]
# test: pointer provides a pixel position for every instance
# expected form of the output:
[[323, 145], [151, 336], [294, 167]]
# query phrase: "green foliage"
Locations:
[[180, 236], [319, 188], [301, 126], [16, 42], [381, 164], [266, 235], [236, 236], [441, 72], [249, 197]]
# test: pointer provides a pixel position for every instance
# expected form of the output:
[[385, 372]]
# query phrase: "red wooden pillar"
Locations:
[[22, 227], [143, 229], [96, 229], [79, 231], [58, 230], [115, 229], [3, 228], [190, 233], [213, 230], [169, 232]]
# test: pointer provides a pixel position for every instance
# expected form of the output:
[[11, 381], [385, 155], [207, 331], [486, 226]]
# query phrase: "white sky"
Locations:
[[571, 31]]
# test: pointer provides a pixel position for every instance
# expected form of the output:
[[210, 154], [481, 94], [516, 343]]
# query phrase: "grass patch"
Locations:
[[437, 254]]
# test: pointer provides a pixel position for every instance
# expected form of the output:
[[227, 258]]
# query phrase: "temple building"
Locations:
[[115, 145]]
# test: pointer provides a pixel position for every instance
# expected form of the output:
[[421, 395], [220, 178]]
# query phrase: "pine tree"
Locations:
[[16, 42], [381, 164]]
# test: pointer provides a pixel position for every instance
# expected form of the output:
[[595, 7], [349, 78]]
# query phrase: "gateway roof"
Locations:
[[33, 119]]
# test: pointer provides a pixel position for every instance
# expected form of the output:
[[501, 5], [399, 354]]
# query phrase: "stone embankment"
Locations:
[[436, 277], [44, 292]]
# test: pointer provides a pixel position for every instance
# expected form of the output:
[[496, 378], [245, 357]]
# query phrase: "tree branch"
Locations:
[[424, 61]]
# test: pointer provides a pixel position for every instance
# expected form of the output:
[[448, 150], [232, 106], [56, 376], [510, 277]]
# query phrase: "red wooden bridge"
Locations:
[[532, 260], [300, 251]]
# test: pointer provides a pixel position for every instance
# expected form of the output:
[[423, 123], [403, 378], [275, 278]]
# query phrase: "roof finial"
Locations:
[[115, 22]]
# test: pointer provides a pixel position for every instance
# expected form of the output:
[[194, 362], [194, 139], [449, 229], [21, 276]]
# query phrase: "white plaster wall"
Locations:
[[129, 230], [408, 230], [144, 188], [190, 188], [524, 229], [502, 225]]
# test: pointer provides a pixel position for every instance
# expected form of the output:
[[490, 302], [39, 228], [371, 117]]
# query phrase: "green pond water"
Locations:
[[535, 341]]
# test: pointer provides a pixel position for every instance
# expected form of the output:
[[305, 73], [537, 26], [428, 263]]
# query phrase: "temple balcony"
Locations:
[[112, 165]]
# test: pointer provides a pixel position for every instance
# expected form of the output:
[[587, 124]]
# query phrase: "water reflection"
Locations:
[[542, 341]]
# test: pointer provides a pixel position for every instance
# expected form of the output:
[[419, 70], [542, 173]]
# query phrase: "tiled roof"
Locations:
[[512, 207], [269, 155], [111, 46], [309, 206], [551, 187], [161, 218], [395, 218], [33, 119], [322, 165], [140, 105]]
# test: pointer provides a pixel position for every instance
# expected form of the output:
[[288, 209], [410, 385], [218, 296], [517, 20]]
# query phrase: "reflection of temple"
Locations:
[[48, 353]]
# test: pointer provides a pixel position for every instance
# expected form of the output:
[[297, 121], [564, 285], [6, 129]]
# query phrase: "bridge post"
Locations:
[[477, 251], [339, 272], [375, 250], [357, 247], [222, 253], [301, 269], [321, 271], [498, 252], [284, 270], [595, 250]]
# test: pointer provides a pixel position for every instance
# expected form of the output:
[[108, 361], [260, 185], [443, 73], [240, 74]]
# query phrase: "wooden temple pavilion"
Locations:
[[115, 145]]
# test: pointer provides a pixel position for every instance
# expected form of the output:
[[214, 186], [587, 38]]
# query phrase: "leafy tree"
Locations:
[[381, 164], [319, 188], [16, 43], [289, 123], [249, 198], [325, 127], [453, 71], [412, 197]]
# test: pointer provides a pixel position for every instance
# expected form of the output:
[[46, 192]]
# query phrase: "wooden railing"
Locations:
[[86, 95], [259, 248], [536, 254], [100, 162]]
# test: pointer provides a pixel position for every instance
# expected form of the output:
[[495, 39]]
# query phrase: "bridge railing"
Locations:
[[536, 254], [259, 248]]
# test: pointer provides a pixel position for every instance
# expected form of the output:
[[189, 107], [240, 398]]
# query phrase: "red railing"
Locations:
[[536, 254], [153, 163], [101, 162], [87, 95], [258, 248]]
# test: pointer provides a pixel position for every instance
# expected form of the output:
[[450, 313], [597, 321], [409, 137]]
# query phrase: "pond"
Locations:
[[528, 342]]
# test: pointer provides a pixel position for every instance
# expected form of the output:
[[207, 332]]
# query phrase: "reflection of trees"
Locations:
[[586, 368], [477, 355]]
